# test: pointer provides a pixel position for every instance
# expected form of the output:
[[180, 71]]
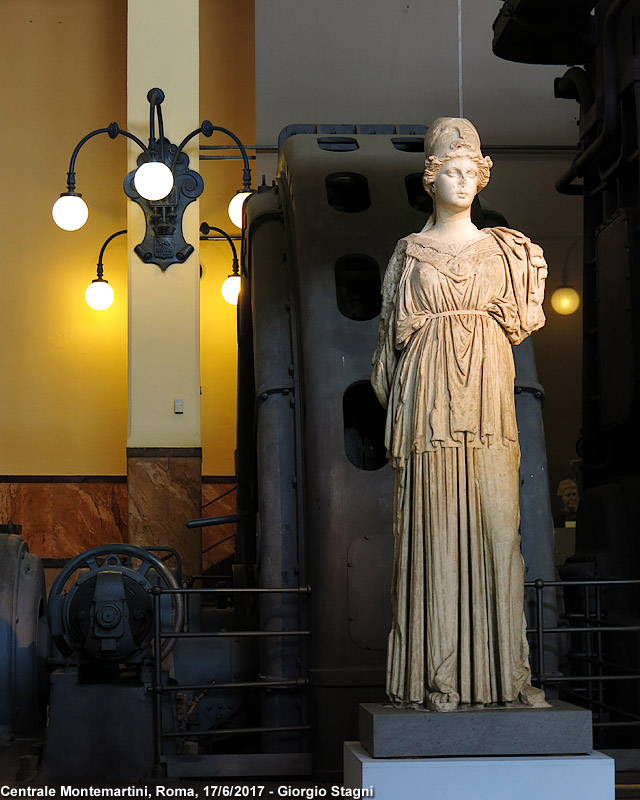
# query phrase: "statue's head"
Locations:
[[451, 137], [568, 493]]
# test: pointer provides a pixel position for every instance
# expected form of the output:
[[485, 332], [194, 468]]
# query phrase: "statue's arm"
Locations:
[[527, 271], [385, 357]]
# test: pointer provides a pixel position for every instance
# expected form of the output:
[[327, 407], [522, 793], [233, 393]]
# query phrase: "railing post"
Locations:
[[539, 584], [156, 593]]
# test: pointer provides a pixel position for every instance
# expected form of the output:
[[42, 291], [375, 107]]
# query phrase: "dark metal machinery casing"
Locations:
[[606, 173], [23, 636]]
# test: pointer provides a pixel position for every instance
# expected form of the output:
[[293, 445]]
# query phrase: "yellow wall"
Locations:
[[227, 98], [63, 408], [63, 405]]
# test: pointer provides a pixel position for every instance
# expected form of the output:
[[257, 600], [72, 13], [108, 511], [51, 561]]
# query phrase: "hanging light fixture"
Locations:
[[566, 300], [236, 203], [236, 206], [70, 212], [162, 185], [230, 288], [99, 295]]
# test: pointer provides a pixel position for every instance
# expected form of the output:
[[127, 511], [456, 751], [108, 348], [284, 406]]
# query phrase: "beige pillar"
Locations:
[[163, 446]]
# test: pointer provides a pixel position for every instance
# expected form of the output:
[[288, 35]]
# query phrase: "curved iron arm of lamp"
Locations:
[[155, 98], [207, 128], [205, 229], [114, 131], [104, 247]]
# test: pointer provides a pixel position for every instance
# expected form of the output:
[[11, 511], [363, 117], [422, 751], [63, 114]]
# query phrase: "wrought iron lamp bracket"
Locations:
[[164, 243]]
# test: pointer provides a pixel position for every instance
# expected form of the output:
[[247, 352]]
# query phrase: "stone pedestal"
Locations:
[[583, 777], [478, 754], [387, 732]]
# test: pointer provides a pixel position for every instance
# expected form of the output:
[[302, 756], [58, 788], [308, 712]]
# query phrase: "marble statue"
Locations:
[[455, 298]]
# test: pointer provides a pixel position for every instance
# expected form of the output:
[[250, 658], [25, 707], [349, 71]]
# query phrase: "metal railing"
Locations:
[[588, 690], [592, 625], [160, 687]]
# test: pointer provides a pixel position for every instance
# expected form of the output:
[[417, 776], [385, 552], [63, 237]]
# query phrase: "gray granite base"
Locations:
[[387, 732]]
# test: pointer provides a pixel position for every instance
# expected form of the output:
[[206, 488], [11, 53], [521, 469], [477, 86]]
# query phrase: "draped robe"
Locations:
[[444, 370]]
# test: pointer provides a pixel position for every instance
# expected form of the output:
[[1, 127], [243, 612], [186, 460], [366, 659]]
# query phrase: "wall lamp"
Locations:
[[99, 295], [230, 289], [565, 300], [162, 185]]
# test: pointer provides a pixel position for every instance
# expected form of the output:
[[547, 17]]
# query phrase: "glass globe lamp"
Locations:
[[565, 300], [236, 206], [153, 180], [70, 212], [99, 295], [230, 289]]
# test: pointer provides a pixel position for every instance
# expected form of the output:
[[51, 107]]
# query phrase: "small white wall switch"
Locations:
[[178, 407]]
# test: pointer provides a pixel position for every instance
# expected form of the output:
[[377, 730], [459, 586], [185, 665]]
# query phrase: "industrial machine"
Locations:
[[598, 42], [23, 636]]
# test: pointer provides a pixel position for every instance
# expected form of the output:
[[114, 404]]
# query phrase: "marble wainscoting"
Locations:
[[62, 516], [218, 500], [164, 490]]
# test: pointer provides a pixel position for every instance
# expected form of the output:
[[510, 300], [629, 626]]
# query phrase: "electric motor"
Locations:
[[101, 605]]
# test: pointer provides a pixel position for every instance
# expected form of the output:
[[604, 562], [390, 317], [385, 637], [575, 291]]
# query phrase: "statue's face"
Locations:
[[570, 498], [456, 183]]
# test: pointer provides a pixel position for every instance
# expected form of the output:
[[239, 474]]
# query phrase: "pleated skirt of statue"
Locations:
[[458, 633]]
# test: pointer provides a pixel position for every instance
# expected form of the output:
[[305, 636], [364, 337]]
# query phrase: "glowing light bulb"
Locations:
[[235, 208], [99, 295], [565, 300], [70, 212], [231, 289], [153, 180]]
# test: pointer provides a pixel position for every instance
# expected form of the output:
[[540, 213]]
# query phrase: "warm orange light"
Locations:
[[565, 300]]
